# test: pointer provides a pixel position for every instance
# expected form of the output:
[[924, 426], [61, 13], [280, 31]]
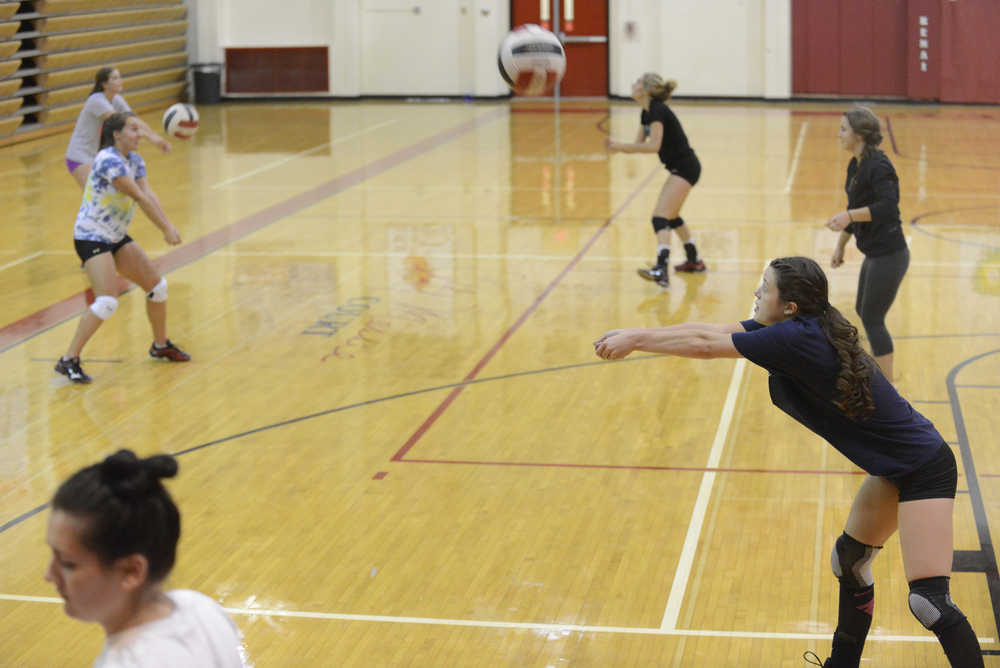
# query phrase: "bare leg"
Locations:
[[135, 265], [871, 521], [81, 173], [885, 364], [669, 204], [925, 537], [873, 517], [104, 281]]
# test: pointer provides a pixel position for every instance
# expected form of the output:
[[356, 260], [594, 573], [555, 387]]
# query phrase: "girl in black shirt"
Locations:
[[872, 216], [660, 132]]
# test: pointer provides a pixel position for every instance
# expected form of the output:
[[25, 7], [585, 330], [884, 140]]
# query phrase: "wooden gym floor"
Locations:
[[396, 445]]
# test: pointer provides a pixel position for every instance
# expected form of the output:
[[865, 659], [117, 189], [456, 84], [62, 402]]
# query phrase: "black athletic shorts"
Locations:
[[937, 479], [688, 169], [88, 249]]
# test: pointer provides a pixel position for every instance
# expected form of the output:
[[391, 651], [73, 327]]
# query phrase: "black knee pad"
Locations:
[[852, 561], [660, 223], [674, 223], [931, 604]]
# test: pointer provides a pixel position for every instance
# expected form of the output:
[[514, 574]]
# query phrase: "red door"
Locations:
[[583, 29]]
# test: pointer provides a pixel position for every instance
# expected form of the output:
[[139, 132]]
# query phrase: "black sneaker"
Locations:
[[168, 352], [658, 273], [71, 369], [813, 660]]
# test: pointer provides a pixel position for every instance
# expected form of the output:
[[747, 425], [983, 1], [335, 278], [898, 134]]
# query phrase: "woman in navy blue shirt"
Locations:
[[660, 132], [821, 377]]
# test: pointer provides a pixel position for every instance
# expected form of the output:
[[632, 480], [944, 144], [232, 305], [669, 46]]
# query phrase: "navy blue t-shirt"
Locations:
[[803, 365]]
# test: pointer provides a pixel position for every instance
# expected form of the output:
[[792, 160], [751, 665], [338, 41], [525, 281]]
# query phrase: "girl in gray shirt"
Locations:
[[104, 100]]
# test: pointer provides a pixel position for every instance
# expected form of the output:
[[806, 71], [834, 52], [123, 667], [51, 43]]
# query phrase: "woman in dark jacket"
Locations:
[[872, 216]]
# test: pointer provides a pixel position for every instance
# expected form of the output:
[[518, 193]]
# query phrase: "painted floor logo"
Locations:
[[375, 330]]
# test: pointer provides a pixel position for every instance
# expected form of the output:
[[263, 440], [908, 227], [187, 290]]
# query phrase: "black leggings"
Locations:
[[877, 285]]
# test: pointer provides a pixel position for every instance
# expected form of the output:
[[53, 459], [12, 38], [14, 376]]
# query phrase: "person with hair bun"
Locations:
[[115, 185], [872, 216], [113, 532], [822, 378], [105, 99], [660, 132]]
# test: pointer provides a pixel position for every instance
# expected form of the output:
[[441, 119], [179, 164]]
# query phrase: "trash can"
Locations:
[[207, 82]]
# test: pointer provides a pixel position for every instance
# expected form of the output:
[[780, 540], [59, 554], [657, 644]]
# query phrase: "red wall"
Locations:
[[970, 51], [849, 47], [882, 48]]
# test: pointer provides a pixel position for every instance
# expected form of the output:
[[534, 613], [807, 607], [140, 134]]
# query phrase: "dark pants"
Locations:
[[877, 285]]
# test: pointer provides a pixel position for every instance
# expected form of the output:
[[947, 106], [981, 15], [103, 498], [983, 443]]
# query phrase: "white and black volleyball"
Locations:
[[180, 120], [531, 60]]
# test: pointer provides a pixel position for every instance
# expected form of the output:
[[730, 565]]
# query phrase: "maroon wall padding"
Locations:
[[923, 84], [873, 48], [888, 46], [816, 66], [299, 69], [970, 51], [849, 47]]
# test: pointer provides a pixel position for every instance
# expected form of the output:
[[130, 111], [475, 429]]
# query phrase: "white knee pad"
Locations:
[[159, 292], [104, 307]]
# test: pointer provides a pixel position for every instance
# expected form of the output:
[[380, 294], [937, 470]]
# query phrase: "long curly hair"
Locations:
[[801, 280]]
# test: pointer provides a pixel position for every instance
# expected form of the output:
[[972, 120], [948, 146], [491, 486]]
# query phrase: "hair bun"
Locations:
[[874, 139], [127, 475]]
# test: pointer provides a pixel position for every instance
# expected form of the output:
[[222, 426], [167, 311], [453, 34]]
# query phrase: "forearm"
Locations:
[[860, 215], [639, 147], [151, 207], [699, 343], [842, 239]]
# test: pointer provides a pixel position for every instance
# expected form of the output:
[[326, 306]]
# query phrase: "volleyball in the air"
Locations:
[[531, 60], [180, 120]]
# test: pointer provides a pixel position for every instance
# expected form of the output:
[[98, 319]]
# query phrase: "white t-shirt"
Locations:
[[197, 634], [86, 137], [105, 212]]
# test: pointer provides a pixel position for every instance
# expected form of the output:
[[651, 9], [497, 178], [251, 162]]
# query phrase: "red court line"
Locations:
[[628, 467], [18, 332], [432, 418]]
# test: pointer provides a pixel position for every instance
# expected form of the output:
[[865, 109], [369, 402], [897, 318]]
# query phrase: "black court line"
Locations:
[[284, 423], [915, 223], [983, 560]]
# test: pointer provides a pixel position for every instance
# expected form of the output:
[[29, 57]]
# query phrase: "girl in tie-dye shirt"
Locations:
[[106, 212], [115, 185]]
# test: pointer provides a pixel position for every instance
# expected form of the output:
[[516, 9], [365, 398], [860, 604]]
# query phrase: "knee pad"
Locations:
[[674, 223], [104, 307], [852, 561], [159, 292], [931, 604], [660, 223]]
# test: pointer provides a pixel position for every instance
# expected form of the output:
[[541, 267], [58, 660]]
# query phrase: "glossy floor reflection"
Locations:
[[397, 447]]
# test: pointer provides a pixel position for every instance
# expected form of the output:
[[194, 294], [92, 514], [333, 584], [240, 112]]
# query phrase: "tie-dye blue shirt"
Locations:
[[105, 213]]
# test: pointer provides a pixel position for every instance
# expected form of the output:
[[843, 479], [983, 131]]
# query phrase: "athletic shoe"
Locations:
[[691, 267], [658, 274], [71, 369], [170, 352], [813, 660]]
